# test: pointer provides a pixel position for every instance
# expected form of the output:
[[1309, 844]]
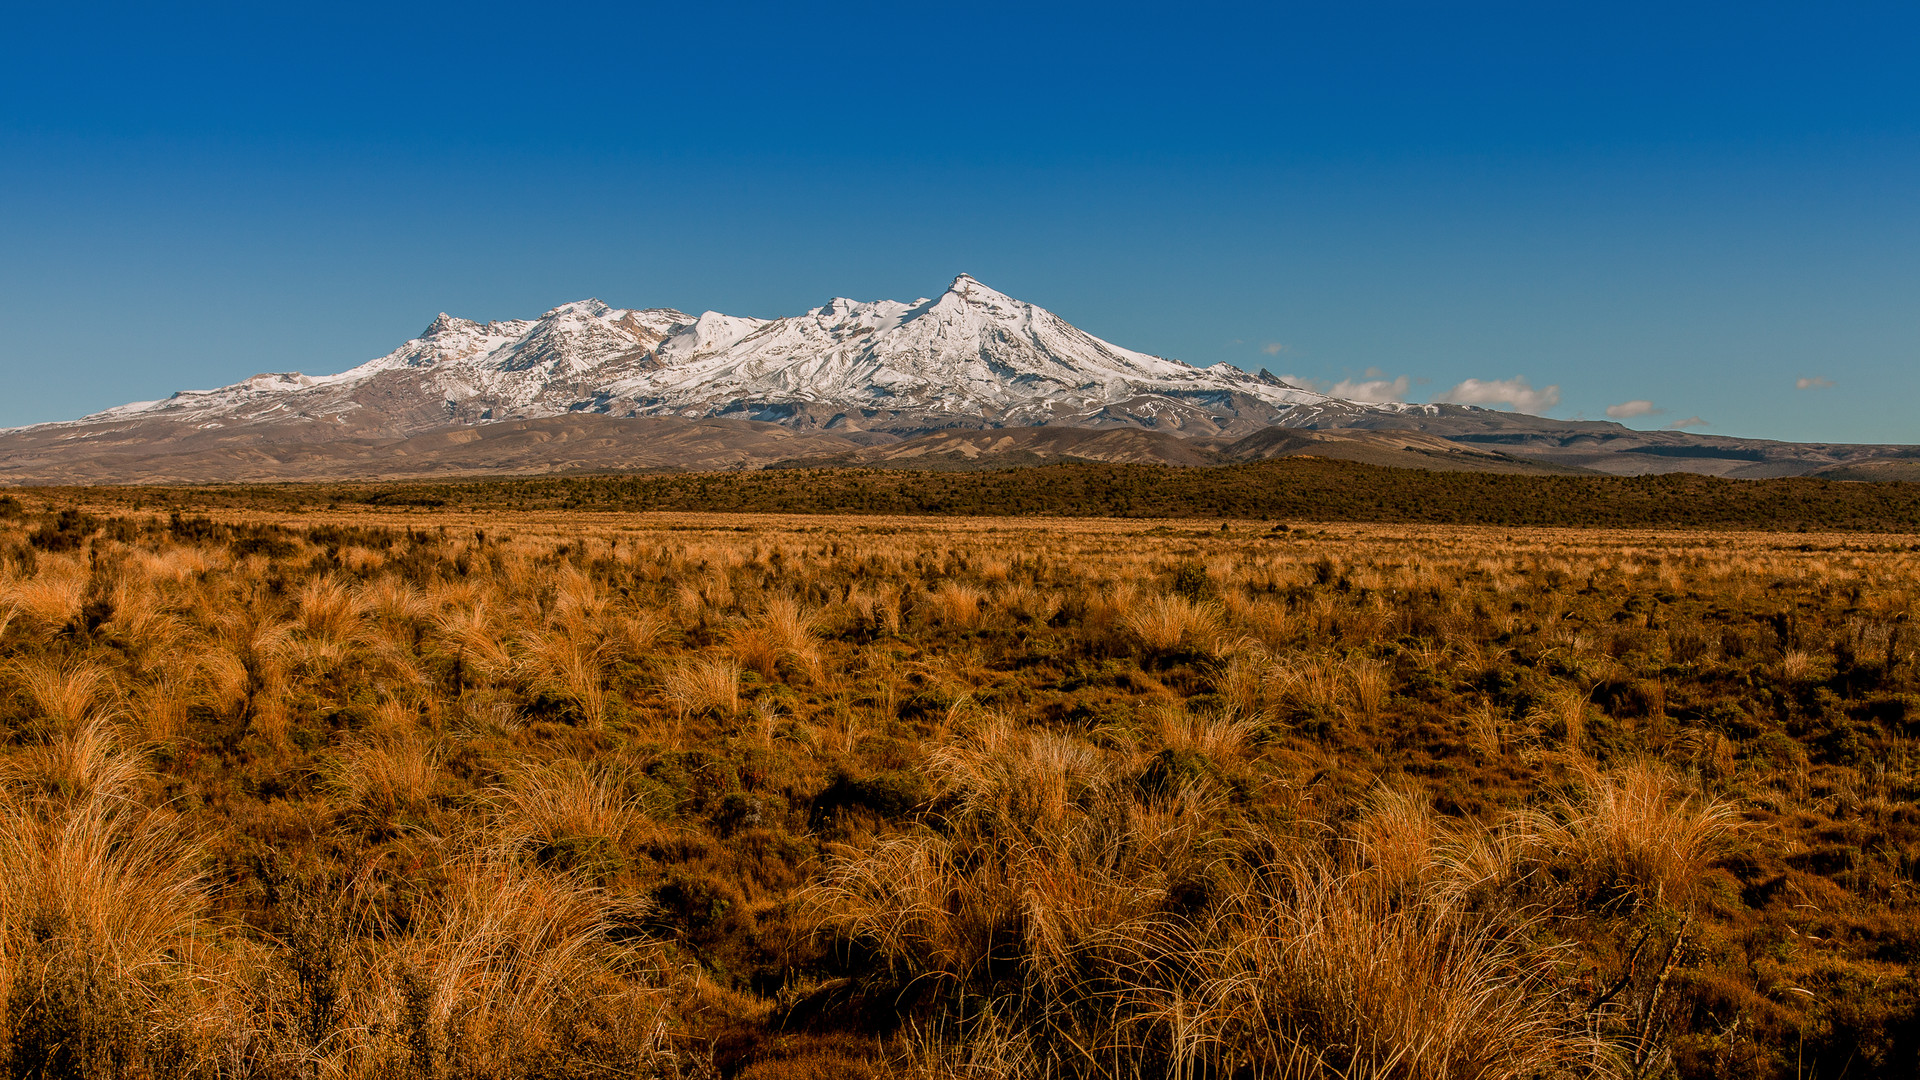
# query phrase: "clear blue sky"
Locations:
[[1697, 206]]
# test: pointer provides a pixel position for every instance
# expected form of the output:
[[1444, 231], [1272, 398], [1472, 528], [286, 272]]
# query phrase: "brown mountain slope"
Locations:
[[581, 442], [1005, 447], [1399, 449], [1002, 447], [269, 448], [1890, 468]]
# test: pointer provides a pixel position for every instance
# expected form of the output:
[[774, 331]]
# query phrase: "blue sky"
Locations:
[[1711, 209]]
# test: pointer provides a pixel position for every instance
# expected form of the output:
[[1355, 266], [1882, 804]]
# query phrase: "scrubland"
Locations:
[[451, 794], [1316, 489]]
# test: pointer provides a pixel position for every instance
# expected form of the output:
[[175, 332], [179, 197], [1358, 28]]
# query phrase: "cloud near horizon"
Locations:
[[1373, 387], [1813, 383], [1627, 410], [1517, 392], [1691, 421], [1273, 348], [1372, 390]]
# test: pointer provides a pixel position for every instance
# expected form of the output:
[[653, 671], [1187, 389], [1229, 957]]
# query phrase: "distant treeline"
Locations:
[[1295, 489]]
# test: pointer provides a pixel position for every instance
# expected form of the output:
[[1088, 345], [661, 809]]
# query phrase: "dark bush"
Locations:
[[269, 540], [195, 530], [67, 531], [890, 795], [1190, 580]]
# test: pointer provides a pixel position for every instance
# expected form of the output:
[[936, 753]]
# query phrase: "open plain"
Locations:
[[356, 791]]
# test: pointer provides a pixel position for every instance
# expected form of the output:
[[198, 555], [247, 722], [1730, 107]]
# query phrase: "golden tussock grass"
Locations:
[[544, 809], [496, 952], [385, 777], [1220, 735], [1638, 829], [370, 794], [782, 641], [1023, 603], [956, 604], [161, 708], [101, 901], [1316, 973], [79, 763], [476, 641], [565, 666], [1370, 682], [1164, 624], [65, 695], [703, 684], [50, 598]]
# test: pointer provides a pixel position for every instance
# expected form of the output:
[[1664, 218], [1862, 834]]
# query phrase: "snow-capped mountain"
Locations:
[[970, 375], [971, 357]]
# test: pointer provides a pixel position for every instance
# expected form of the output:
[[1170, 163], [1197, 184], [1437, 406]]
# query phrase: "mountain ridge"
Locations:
[[853, 376], [971, 356]]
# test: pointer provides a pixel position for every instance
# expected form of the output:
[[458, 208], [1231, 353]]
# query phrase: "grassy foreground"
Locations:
[[450, 793]]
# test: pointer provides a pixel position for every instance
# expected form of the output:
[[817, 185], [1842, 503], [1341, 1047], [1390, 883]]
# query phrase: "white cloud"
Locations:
[[1691, 421], [1273, 348], [1627, 410], [1814, 383], [1517, 392], [1372, 389]]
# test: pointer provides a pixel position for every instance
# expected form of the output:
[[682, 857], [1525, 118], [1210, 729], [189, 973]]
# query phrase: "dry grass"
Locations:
[[703, 684], [1220, 736], [1490, 731], [956, 604], [490, 960], [65, 695], [567, 667], [1563, 716], [329, 613], [1399, 839], [1371, 682], [101, 900], [1300, 969], [1319, 973], [1015, 777], [393, 603], [80, 764], [476, 641], [1025, 604], [636, 634], [385, 778], [781, 642], [161, 708], [50, 598], [563, 811], [1311, 684], [1797, 665], [1165, 624], [115, 881], [1638, 830], [151, 632], [487, 797]]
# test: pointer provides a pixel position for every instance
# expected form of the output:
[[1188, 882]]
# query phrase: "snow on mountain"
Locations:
[[970, 353], [971, 357], [587, 386]]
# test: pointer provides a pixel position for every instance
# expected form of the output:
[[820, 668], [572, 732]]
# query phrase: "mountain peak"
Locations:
[[973, 357], [589, 307], [967, 287]]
